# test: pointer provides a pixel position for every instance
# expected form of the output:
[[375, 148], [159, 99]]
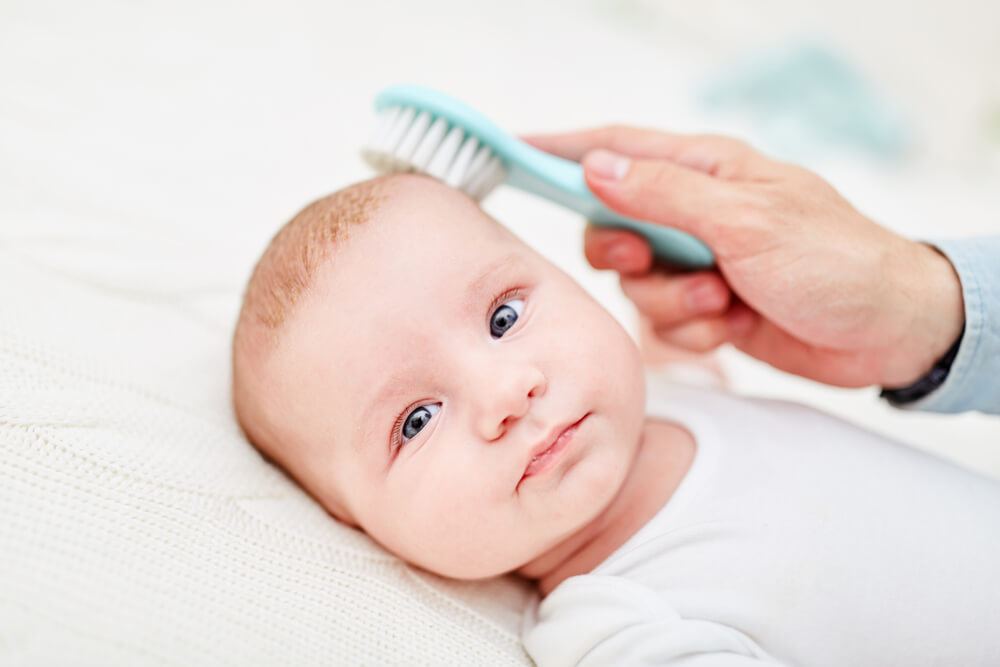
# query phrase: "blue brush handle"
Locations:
[[546, 175], [562, 181]]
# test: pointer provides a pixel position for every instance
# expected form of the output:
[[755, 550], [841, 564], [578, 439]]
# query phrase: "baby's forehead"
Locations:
[[390, 306], [415, 199], [419, 216]]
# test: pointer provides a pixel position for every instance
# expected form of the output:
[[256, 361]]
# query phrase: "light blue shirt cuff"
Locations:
[[974, 380]]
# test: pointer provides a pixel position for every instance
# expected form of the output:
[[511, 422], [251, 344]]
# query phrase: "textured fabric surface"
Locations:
[[139, 527]]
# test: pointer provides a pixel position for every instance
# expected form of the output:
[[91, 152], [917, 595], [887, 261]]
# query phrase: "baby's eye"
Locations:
[[503, 318], [418, 419]]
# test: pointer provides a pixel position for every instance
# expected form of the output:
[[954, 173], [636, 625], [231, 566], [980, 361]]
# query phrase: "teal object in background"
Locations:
[[546, 175], [803, 99]]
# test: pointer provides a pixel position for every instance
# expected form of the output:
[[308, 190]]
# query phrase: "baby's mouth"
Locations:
[[545, 459]]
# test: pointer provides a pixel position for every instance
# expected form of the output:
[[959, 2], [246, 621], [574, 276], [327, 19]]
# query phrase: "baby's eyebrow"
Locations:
[[487, 275]]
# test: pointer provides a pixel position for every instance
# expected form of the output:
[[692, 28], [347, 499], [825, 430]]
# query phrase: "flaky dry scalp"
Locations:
[[284, 273]]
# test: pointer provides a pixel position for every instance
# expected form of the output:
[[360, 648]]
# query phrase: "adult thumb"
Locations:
[[659, 191]]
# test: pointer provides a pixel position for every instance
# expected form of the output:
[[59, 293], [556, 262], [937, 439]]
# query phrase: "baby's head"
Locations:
[[406, 358]]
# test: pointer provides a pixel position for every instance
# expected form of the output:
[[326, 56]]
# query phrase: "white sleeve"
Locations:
[[606, 620]]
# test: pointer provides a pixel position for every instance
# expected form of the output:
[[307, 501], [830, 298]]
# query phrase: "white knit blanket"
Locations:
[[139, 527]]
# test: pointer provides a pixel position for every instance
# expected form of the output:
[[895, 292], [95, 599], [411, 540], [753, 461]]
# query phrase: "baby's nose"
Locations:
[[506, 395]]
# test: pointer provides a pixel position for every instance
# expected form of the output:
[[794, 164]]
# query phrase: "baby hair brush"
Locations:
[[422, 130]]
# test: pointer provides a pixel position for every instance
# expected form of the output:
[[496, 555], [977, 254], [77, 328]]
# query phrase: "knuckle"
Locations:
[[800, 175], [739, 146], [745, 238], [733, 157], [754, 207], [656, 181]]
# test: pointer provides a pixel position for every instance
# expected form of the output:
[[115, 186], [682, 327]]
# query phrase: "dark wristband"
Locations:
[[933, 379]]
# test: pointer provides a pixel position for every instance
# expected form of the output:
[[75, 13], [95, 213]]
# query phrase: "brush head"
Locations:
[[410, 139]]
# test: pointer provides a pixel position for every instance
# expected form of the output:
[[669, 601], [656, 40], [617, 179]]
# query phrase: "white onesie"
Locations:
[[794, 539]]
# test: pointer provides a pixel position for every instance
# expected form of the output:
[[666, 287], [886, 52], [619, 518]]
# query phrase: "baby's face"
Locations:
[[434, 361]]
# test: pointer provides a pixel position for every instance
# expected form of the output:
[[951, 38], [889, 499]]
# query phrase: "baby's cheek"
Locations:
[[464, 541]]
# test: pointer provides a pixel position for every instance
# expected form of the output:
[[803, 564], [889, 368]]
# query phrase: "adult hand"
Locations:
[[803, 281]]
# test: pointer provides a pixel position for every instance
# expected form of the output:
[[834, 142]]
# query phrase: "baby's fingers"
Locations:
[[671, 299]]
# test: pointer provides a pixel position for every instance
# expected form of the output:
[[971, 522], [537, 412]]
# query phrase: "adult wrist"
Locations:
[[929, 381], [929, 292]]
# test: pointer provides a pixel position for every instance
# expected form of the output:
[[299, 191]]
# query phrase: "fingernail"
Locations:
[[704, 296], [607, 165]]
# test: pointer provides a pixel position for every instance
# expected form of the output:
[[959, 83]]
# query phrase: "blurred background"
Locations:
[[151, 149]]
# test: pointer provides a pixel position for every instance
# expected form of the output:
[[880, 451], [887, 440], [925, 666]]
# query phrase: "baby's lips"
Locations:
[[549, 449]]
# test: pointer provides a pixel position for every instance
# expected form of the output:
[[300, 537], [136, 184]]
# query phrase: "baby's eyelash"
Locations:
[[396, 437], [503, 297]]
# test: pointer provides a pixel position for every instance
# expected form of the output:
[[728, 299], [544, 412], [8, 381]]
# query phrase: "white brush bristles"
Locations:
[[405, 140]]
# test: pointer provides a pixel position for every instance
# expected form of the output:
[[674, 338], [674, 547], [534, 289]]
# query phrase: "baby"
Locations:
[[432, 380]]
